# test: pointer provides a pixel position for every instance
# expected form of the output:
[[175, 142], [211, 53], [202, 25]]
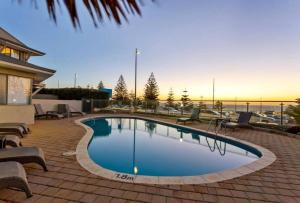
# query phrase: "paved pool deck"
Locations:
[[67, 181]]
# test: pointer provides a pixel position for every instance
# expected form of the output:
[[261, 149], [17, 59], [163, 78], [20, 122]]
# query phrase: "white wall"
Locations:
[[25, 113], [51, 104], [17, 114]]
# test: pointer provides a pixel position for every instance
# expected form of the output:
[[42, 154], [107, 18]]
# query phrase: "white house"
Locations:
[[18, 78]]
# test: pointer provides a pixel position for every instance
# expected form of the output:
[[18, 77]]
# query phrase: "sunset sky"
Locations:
[[251, 48]]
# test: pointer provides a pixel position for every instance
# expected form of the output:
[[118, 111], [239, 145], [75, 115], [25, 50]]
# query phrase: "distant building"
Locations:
[[106, 90], [17, 79]]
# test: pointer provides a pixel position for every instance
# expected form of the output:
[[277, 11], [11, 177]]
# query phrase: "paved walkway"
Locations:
[[66, 181]]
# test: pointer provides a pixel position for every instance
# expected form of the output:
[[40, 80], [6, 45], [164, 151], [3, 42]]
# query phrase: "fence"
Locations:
[[265, 112]]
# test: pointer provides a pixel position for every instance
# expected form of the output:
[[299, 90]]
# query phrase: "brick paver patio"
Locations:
[[66, 181]]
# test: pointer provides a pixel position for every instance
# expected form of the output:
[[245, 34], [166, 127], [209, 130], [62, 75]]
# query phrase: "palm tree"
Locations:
[[113, 9]]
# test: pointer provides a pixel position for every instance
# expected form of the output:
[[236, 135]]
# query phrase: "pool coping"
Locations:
[[87, 163]]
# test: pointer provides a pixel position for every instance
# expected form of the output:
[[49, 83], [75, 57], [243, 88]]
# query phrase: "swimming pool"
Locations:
[[149, 148], [139, 149]]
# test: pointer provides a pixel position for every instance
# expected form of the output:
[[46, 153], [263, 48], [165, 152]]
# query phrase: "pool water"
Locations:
[[142, 147]]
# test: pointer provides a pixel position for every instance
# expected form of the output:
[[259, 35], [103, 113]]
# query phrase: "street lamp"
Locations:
[[181, 137], [75, 80], [135, 74], [135, 168]]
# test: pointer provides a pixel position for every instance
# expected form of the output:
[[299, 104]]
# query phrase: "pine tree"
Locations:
[[120, 91], [100, 85], [151, 89], [170, 99], [185, 98], [219, 106]]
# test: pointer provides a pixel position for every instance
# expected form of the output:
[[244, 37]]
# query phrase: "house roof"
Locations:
[[41, 73], [9, 40]]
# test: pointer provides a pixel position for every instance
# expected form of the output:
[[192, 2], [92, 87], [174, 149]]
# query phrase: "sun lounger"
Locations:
[[24, 155], [23, 125], [12, 129], [65, 110], [194, 116], [40, 113], [243, 121], [12, 174], [13, 141], [9, 140]]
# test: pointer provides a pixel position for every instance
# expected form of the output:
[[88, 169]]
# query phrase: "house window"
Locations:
[[3, 89], [23, 56], [6, 51], [18, 90], [15, 54]]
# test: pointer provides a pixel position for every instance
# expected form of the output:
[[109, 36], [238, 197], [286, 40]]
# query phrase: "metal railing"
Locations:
[[264, 112]]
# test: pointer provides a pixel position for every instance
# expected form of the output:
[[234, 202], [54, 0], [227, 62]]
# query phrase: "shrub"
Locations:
[[294, 111], [293, 129]]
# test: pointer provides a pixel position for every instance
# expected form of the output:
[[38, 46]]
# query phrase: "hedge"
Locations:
[[75, 93]]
